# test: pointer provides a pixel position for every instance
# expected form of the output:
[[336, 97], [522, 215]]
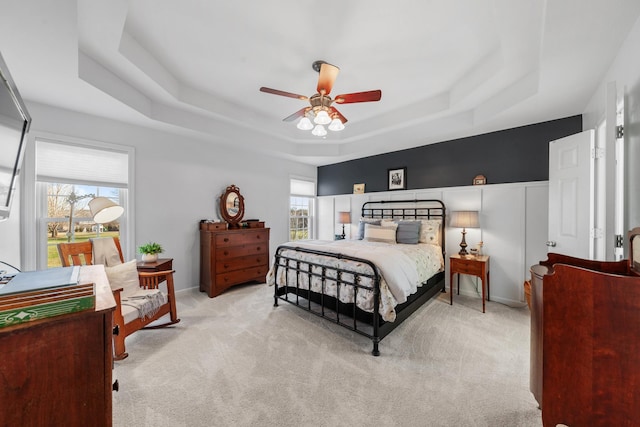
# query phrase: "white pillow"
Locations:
[[385, 233], [124, 276], [430, 231]]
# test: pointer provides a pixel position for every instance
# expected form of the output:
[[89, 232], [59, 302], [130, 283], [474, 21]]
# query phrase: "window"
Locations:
[[67, 178], [301, 209]]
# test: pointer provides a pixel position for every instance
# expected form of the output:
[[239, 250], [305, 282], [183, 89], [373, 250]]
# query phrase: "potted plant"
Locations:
[[150, 251]]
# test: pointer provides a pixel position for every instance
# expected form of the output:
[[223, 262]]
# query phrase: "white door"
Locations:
[[571, 195]]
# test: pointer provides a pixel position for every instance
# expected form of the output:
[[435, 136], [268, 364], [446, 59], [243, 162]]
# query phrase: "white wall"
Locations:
[[625, 73], [513, 228], [177, 182]]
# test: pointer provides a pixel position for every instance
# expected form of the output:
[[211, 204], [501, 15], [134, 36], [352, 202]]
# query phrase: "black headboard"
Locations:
[[407, 209]]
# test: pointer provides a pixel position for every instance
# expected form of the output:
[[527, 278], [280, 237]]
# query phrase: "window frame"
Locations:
[[311, 216], [33, 251]]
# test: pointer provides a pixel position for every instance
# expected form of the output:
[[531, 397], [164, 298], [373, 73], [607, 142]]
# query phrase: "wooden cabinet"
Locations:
[[585, 351], [231, 257], [57, 371]]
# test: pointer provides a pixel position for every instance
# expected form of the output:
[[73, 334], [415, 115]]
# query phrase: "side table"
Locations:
[[162, 264], [472, 265]]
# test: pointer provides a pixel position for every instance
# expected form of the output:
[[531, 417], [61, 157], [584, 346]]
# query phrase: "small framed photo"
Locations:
[[479, 180], [397, 179], [358, 188]]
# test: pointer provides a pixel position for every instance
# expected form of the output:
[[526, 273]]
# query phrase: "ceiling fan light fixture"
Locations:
[[319, 130], [336, 125], [322, 118], [305, 124]]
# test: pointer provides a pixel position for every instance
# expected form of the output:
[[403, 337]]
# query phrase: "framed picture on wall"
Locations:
[[358, 188], [397, 179]]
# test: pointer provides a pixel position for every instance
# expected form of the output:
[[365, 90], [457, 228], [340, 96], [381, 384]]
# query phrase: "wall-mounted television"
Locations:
[[14, 125]]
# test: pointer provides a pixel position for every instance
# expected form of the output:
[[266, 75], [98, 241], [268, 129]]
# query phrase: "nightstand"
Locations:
[[472, 265]]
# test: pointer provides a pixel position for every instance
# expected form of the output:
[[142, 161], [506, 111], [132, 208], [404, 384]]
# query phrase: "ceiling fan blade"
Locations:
[[300, 113], [350, 98], [333, 113], [283, 93], [328, 74]]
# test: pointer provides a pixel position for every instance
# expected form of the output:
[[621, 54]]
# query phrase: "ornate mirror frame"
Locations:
[[232, 206]]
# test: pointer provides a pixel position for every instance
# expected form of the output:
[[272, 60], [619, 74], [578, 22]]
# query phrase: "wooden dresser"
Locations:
[[233, 256], [57, 371]]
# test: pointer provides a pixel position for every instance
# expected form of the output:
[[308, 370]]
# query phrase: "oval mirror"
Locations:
[[232, 206]]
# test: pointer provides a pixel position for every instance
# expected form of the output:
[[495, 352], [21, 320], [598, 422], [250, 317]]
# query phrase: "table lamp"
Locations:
[[464, 220], [344, 218]]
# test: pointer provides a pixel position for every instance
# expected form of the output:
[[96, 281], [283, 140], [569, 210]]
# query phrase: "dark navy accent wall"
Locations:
[[513, 155]]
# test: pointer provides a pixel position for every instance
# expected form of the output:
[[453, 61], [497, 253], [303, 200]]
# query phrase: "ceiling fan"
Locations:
[[321, 109]]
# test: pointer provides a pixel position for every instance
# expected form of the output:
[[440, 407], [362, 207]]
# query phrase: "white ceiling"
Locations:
[[446, 68]]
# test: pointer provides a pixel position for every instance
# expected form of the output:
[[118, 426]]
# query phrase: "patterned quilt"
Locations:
[[403, 268]]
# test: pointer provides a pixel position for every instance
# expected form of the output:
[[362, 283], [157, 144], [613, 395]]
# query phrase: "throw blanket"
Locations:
[[105, 252], [146, 301]]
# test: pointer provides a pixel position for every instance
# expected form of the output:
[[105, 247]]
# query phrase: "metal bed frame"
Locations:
[[348, 315]]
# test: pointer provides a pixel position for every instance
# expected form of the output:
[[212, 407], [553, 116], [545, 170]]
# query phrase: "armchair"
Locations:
[[127, 318]]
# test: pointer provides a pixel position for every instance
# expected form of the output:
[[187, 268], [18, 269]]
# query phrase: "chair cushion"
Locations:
[[124, 276]]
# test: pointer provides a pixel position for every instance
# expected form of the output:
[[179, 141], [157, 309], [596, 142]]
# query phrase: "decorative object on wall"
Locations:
[[104, 210], [321, 110], [479, 180], [358, 188], [464, 220], [232, 206], [344, 218], [397, 179]]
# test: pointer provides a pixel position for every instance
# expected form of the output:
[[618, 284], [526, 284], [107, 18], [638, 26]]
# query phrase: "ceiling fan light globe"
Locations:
[[319, 130], [336, 125], [304, 124], [322, 118]]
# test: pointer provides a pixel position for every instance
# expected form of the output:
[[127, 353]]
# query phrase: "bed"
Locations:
[[369, 286]]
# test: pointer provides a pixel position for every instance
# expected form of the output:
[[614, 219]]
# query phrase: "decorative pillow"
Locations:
[[408, 232], [124, 276], [364, 221], [381, 233], [430, 231]]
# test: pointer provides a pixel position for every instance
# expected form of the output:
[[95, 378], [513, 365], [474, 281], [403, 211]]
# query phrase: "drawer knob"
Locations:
[[258, 248], [226, 239], [226, 253], [226, 266]]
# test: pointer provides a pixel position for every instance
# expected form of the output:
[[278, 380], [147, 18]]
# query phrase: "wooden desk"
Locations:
[[472, 265], [57, 371]]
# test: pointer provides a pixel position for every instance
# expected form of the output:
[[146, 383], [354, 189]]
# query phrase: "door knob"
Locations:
[[551, 243]]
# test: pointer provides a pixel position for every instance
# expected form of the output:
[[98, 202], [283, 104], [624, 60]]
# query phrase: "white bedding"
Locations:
[[402, 269]]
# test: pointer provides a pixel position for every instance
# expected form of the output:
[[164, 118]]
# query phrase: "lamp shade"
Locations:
[[344, 217], [465, 219], [104, 210]]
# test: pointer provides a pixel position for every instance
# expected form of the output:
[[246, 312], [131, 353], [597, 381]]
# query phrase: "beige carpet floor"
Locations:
[[235, 360]]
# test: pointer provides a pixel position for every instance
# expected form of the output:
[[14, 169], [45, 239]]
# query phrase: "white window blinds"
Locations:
[[302, 188], [65, 163]]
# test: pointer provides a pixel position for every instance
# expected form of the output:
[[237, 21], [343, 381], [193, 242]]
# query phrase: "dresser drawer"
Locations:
[[224, 266], [230, 252], [242, 238], [466, 267], [241, 276]]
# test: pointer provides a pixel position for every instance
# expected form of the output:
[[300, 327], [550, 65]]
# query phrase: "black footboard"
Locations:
[[307, 284]]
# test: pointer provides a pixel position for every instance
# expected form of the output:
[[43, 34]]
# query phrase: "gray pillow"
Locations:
[[408, 232], [364, 221]]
